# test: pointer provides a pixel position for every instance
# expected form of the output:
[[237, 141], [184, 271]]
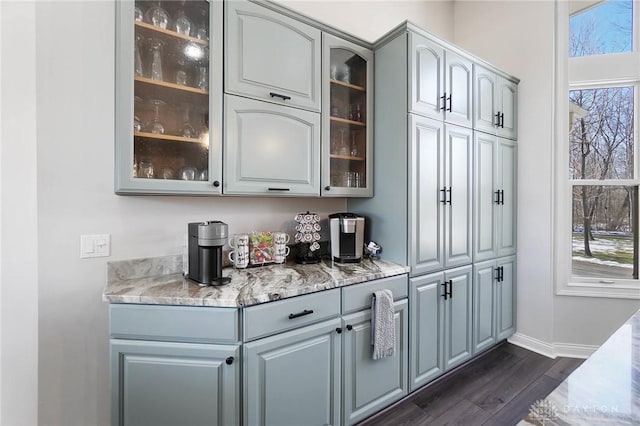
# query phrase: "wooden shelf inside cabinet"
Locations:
[[346, 157], [171, 33], [346, 121], [171, 85], [167, 137], [349, 85]]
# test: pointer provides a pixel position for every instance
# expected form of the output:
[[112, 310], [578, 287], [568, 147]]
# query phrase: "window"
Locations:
[[598, 175]]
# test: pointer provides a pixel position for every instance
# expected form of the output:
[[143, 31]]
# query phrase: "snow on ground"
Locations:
[[604, 245], [602, 262]]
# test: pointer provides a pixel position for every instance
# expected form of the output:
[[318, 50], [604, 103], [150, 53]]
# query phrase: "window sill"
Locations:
[[619, 290]]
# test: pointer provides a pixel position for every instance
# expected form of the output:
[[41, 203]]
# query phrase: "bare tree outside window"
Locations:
[[606, 28]]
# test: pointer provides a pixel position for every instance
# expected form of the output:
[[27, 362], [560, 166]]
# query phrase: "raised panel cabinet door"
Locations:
[[486, 197], [426, 329], [270, 149], [459, 202], [426, 192], [293, 378], [459, 93], [426, 79], [370, 385], [506, 298], [347, 119], [162, 383], [484, 284], [458, 317], [508, 107], [271, 57], [484, 100], [507, 182]]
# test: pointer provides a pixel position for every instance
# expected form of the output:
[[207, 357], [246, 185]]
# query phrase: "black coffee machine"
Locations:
[[206, 240]]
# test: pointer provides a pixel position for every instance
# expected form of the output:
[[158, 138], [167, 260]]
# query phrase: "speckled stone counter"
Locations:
[[604, 390], [159, 281]]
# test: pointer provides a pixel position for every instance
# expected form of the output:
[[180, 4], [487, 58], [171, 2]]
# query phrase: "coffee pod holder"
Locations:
[[307, 237]]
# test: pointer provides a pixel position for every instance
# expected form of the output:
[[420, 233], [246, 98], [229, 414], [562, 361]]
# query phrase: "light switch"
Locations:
[[95, 245]]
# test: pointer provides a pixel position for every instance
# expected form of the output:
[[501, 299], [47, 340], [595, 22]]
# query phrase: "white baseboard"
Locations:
[[552, 350]]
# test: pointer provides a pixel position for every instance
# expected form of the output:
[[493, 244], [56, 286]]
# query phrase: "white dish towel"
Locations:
[[383, 328]]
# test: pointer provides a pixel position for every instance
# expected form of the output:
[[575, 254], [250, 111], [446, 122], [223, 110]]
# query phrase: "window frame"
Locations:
[[586, 72]]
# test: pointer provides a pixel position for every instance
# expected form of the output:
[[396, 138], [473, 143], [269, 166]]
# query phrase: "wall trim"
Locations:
[[552, 350]]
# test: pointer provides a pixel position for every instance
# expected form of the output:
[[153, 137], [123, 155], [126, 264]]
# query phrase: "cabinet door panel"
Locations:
[[508, 105], [484, 99], [459, 167], [370, 385], [426, 181], [427, 77], [271, 149], [426, 331], [507, 164], [293, 378], [459, 81], [485, 208], [484, 283], [268, 52], [164, 383], [458, 311], [506, 299]]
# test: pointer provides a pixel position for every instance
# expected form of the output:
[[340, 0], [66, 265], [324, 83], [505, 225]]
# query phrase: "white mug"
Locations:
[[240, 257], [281, 253], [239, 240], [280, 238]]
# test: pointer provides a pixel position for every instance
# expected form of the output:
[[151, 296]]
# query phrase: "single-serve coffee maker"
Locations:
[[206, 240], [347, 237]]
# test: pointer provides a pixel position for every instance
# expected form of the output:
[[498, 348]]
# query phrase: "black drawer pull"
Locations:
[[278, 189], [278, 95], [301, 314], [349, 327], [229, 360]]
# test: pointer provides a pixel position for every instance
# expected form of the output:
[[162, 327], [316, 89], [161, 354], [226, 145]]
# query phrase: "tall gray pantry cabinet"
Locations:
[[445, 197]]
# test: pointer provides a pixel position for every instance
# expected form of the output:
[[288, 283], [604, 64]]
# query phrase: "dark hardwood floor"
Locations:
[[496, 389]]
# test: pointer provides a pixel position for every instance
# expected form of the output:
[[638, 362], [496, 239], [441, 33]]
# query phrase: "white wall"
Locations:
[[75, 138], [523, 44], [18, 220]]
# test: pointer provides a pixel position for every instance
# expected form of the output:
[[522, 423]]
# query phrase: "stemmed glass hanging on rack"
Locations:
[[155, 126], [156, 59], [157, 16]]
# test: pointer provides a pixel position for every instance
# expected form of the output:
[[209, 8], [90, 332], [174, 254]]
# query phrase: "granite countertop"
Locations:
[[159, 281], [604, 390]]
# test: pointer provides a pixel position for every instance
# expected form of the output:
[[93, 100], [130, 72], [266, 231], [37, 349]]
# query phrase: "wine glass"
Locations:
[[344, 149], [156, 62], [201, 32], [138, 58], [181, 73], [354, 143], [183, 24], [157, 16], [187, 129], [155, 126], [203, 77], [203, 128], [137, 13], [137, 123]]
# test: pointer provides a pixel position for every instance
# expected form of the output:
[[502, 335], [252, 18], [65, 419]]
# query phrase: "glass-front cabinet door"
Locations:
[[168, 97], [347, 119]]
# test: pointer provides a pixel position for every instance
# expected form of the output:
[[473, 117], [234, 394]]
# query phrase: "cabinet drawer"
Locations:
[[358, 297], [275, 317], [174, 323]]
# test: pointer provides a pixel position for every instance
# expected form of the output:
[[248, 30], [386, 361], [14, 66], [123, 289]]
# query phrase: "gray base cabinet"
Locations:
[[293, 378], [370, 385], [167, 383], [506, 298], [457, 317]]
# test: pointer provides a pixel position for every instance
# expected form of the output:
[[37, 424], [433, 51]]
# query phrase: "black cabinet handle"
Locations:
[[349, 327], [278, 189], [444, 294], [497, 200], [502, 196], [444, 195], [338, 330], [278, 95], [501, 273], [449, 199], [301, 314], [444, 101], [229, 360], [502, 120], [327, 188], [497, 277], [497, 116], [450, 289], [216, 183], [450, 103]]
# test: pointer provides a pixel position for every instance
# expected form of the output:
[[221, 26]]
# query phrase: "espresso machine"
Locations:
[[206, 240], [347, 237]]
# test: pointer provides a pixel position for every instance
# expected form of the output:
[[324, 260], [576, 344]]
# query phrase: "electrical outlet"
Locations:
[[95, 245]]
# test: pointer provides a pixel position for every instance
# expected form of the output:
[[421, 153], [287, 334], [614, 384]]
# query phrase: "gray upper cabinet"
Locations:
[[495, 103], [270, 149], [347, 119], [440, 82], [507, 184], [271, 57], [168, 100]]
